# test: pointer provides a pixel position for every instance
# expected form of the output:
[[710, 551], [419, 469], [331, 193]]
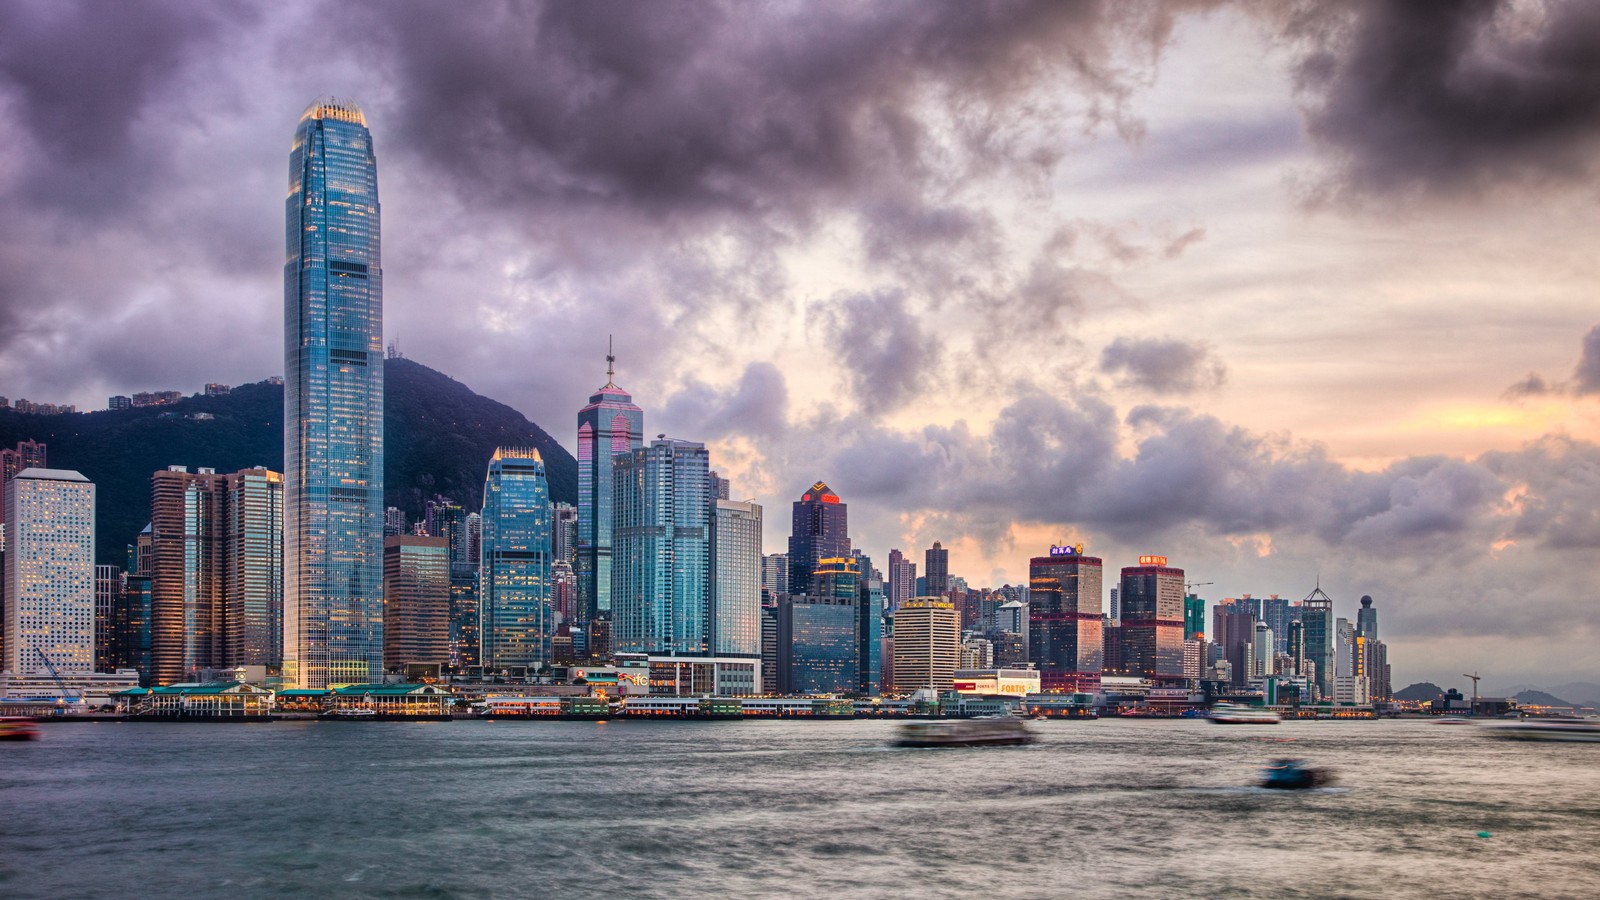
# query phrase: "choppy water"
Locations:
[[655, 809]]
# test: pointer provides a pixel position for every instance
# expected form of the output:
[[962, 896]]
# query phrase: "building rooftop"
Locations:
[[335, 108], [52, 475]]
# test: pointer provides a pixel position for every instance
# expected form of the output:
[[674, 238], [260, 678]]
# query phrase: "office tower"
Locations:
[[465, 620], [840, 578], [718, 487], [1296, 646], [187, 546], [869, 626], [416, 602], [1152, 620], [107, 593], [49, 577], [1367, 619], [563, 591], [333, 404], [1377, 669], [927, 644], [1115, 613], [774, 575], [564, 533], [1011, 618], [1316, 615], [769, 644], [1194, 618], [1065, 622], [252, 570], [736, 564], [514, 562], [817, 647], [1111, 662], [609, 426], [902, 583], [443, 517], [937, 570], [661, 549], [1344, 645], [820, 530], [1233, 632], [133, 634], [27, 455], [1276, 612], [394, 522], [1263, 652], [475, 539]]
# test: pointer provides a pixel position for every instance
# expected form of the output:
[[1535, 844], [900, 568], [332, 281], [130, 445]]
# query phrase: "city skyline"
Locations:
[[1251, 330]]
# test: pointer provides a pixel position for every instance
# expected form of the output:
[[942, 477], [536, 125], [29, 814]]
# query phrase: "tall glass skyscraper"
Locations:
[[514, 575], [820, 530], [661, 579], [333, 403], [608, 427], [736, 579]]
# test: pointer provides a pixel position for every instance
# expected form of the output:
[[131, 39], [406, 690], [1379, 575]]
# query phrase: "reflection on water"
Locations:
[[667, 809]]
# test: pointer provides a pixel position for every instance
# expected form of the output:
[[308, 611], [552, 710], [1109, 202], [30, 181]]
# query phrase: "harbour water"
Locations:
[[787, 808]]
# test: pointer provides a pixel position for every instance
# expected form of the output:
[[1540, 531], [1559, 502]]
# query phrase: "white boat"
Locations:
[[982, 732], [1554, 729], [1236, 714]]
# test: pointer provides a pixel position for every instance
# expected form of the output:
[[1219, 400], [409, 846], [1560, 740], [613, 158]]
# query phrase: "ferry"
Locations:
[[1293, 775], [1235, 714], [352, 713], [982, 732], [17, 728], [1552, 729]]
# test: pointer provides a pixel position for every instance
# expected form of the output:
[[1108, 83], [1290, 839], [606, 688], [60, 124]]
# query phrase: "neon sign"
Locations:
[[1152, 560], [1068, 550]]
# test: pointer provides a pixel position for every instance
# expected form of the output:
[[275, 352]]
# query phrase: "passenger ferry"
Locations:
[[1236, 714], [16, 728], [1553, 729], [982, 732]]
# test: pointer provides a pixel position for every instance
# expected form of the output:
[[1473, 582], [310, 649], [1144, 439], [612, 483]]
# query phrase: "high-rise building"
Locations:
[[927, 644], [1367, 619], [1065, 621], [718, 487], [563, 591], [564, 533], [1263, 651], [902, 583], [1277, 612], [133, 636], [1194, 618], [869, 626], [1316, 615], [27, 455], [1114, 610], [416, 602], [661, 549], [394, 521], [108, 585], [608, 427], [333, 403], [49, 573], [821, 530], [937, 570], [774, 576], [736, 564], [1152, 620], [816, 644], [515, 617], [1345, 657], [1233, 632], [252, 569], [188, 540]]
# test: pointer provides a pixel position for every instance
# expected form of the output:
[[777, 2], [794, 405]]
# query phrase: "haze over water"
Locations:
[[476, 809]]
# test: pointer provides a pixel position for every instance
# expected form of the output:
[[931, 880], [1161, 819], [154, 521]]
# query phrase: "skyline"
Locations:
[[838, 286]]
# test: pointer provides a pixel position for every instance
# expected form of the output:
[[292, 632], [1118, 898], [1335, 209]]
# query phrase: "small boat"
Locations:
[[17, 728], [1552, 729], [989, 731], [355, 713], [1236, 714], [1454, 720], [1293, 775]]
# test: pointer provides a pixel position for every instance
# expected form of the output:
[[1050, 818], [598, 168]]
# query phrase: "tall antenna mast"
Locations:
[[611, 363]]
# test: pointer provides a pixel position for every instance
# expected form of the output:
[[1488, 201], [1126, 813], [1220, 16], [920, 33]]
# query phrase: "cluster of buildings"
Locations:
[[161, 398], [304, 580], [38, 409]]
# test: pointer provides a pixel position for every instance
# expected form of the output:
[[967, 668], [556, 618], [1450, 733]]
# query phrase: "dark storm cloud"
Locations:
[[1451, 96], [756, 406], [889, 357], [1163, 365]]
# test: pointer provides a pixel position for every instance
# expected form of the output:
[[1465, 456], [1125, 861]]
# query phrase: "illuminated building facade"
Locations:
[[736, 579], [937, 570], [49, 574], [416, 601], [252, 588], [1194, 618], [1318, 631], [333, 404], [820, 530], [610, 426], [661, 549], [1065, 620], [1152, 620], [902, 580], [817, 650], [515, 615], [927, 644]]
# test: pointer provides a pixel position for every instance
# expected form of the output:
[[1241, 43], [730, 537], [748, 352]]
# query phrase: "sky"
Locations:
[[1293, 294]]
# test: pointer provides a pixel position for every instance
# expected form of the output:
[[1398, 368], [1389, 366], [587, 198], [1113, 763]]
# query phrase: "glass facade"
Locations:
[[661, 575], [516, 619], [1152, 621], [608, 427], [333, 403], [253, 583], [1065, 624], [736, 581], [820, 529], [817, 652]]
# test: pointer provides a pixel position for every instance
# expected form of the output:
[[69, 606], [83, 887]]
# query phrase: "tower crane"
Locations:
[[1474, 677], [55, 675]]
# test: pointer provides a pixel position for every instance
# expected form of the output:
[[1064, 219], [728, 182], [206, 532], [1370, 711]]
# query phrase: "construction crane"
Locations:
[[1474, 677], [1194, 584], [56, 676]]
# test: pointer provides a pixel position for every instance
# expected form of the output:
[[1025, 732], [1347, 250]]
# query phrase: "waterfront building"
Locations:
[[416, 602], [869, 626], [774, 575], [49, 574], [1194, 653], [699, 676], [333, 403], [133, 627], [187, 541], [769, 643], [816, 638], [1111, 650], [252, 569], [1152, 620], [736, 579], [108, 584], [1318, 630], [1194, 618], [515, 618], [927, 644], [661, 549], [936, 566], [990, 681], [1233, 631], [902, 580], [820, 530], [610, 426], [1066, 625], [1344, 648], [465, 619]]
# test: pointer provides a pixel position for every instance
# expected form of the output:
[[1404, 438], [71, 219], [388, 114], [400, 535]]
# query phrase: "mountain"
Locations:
[[1425, 691], [1538, 698], [1583, 693], [439, 436]]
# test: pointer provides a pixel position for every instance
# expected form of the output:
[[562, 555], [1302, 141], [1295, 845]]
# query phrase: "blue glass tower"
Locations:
[[514, 572], [661, 559], [608, 427], [333, 403]]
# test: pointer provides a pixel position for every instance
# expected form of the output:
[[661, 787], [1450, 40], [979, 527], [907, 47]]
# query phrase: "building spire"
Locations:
[[611, 363]]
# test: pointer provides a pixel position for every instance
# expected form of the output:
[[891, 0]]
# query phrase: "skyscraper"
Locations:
[[49, 589], [1065, 623], [661, 549], [937, 569], [516, 620], [416, 601], [333, 403], [902, 579], [1316, 614], [774, 576], [927, 644], [608, 427], [1152, 620], [564, 533], [252, 569], [820, 530], [1367, 619], [187, 541], [736, 579]]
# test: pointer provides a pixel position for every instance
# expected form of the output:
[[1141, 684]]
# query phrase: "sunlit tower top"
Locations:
[[611, 425]]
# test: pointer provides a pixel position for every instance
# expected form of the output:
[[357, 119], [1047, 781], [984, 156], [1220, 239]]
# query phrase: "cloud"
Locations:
[[889, 357], [1585, 380], [1163, 365], [1450, 99]]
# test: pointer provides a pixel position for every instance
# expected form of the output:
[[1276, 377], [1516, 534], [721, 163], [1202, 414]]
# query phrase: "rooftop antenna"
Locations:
[[611, 361]]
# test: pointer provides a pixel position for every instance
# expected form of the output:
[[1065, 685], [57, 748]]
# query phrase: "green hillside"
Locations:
[[438, 439]]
